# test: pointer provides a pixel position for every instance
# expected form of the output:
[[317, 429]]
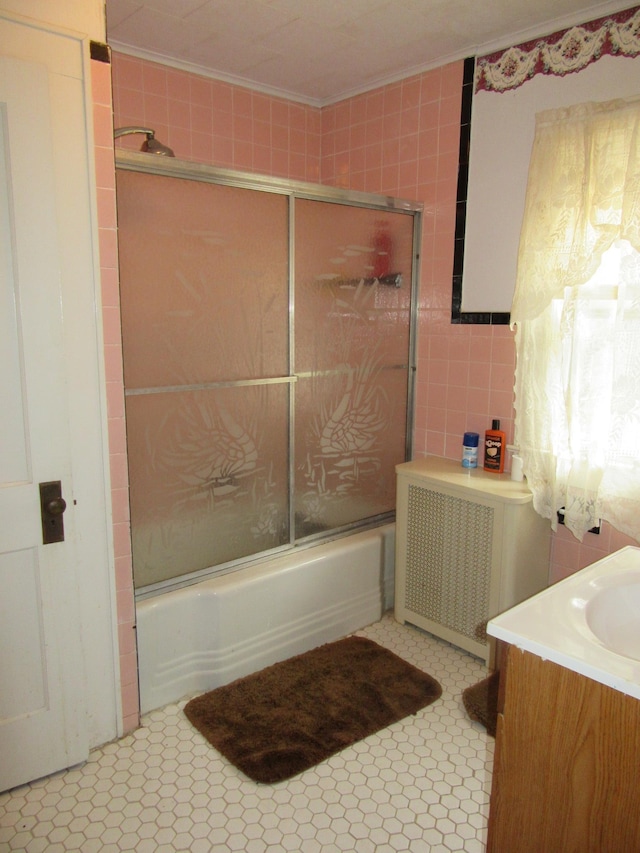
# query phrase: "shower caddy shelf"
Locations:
[[468, 546]]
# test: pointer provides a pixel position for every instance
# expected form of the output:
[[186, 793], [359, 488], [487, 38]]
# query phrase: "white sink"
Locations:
[[589, 622], [613, 614]]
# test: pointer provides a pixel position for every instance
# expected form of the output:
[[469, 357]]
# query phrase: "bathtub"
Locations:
[[206, 635]]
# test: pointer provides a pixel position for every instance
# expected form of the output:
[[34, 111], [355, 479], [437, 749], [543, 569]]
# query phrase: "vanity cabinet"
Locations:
[[566, 773]]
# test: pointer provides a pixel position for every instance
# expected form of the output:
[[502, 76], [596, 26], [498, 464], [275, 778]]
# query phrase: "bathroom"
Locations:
[[464, 371]]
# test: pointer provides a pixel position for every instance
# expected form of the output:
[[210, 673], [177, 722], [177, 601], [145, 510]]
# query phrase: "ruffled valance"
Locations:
[[562, 53]]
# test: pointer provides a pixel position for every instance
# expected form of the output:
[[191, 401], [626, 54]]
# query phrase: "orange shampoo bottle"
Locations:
[[494, 448]]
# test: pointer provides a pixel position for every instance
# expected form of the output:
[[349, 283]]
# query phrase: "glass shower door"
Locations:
[[353, 278], [267, 352], [204, 272]]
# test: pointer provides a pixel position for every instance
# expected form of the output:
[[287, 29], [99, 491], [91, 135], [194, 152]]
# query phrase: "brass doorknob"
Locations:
[[56, 506]]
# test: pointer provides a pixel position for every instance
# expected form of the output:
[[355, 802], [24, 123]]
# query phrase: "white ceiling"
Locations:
[[320, 51]]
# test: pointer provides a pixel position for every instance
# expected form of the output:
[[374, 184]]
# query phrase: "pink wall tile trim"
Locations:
[[101, 84], [107, 234]]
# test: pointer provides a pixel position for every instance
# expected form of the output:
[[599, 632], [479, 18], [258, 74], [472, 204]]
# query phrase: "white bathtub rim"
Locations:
[[179, 656]]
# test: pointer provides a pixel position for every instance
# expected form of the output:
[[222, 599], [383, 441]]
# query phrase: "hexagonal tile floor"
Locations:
[[420, 785]]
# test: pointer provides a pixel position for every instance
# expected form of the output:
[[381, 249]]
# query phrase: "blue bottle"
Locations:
[[470, 450]]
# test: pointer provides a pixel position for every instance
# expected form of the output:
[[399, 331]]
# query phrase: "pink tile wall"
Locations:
[[568, 555], [106, 197], [208, 121], [400, 140]]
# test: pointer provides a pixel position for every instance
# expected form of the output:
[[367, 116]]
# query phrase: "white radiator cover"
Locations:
[[469, 545]]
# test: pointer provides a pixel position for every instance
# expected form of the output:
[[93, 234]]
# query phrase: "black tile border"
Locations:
[[100, 52]]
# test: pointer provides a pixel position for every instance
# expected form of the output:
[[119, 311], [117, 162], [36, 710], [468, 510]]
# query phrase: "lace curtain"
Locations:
[[576, 311]]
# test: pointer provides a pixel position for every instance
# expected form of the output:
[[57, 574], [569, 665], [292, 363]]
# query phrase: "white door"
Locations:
[[42, 706]]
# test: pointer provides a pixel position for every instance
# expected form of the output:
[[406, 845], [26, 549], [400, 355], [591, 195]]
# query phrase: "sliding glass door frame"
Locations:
[[169, 167]]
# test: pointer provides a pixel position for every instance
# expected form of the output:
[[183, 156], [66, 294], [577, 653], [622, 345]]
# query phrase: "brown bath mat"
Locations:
[[278, 722], [481, 702]]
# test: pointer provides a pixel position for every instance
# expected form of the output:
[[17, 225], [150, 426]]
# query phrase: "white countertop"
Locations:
[[553, 623]]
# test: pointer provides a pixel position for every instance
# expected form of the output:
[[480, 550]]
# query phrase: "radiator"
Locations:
[[468, 546]]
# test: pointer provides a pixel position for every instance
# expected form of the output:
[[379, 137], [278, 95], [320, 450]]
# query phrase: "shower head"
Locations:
[[150, 145]]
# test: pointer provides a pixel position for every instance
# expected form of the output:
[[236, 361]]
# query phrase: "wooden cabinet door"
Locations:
[[566, 764]]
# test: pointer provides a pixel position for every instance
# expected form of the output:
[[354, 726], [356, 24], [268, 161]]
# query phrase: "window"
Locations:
[[576, 311]]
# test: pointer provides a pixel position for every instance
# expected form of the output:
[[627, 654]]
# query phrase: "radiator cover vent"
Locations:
[[448, 568], [469, 545]]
